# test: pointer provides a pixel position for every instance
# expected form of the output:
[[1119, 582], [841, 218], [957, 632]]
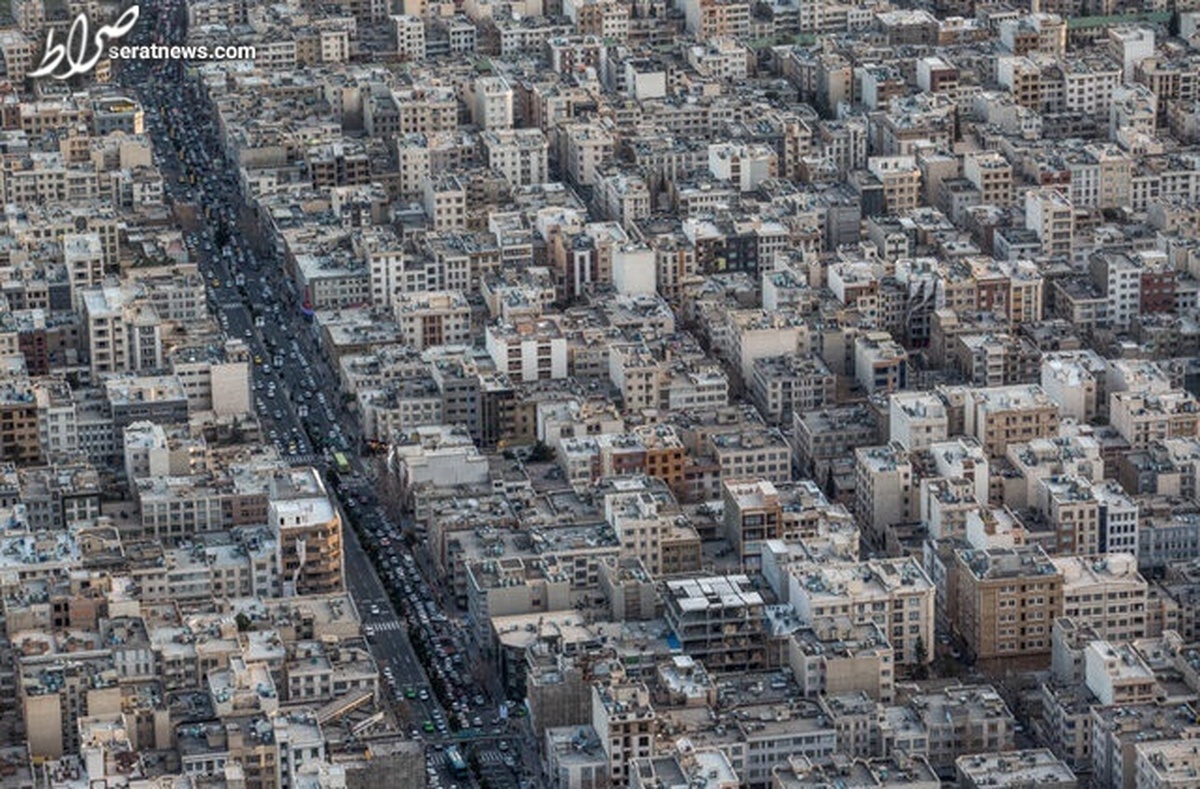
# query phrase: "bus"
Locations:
[[340, 464], [458, 765]]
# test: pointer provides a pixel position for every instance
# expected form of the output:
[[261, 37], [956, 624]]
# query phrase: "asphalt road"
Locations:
[[295, 393]]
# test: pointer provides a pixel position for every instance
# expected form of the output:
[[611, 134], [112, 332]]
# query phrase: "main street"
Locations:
[[296, 397]]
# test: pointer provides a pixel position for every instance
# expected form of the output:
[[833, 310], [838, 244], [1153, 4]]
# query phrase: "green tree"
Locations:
[[541, 453], [922, 654]]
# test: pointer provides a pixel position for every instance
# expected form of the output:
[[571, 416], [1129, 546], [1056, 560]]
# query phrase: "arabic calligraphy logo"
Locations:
[[75, 50]]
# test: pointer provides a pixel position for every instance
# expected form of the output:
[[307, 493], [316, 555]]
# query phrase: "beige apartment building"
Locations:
[[510, 586], [917, 419], [1105, 592], [901, 179], [837, 657], [1167, 764], [1049, 214], [991, 174], [1004, 602], [1000, 415], [309, 539], [1144, 417], [56, 691], [431, 318], [624, 719], [753, 514]]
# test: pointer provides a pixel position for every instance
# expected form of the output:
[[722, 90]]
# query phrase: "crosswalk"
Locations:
[[390, 624], [438, 758]]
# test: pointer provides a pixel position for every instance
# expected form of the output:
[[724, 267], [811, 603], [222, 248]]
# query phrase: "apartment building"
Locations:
[[444, 197], [836, 657], [712, 19], [584, 149], [1106, 593], [626, 723], [56, 691], [1165, 764], [901, 181], [1144, 417], [1077, 381], [1050, 215], [510, 586], [719, 620], [885, 492], [1118, 730], [917, 419], [648, 529], [880, 363], [1042, 459], [20, 435], [991, 174], [1005, 601], [493, 103], [753, 514], [824, 436], [1014, 769], [123, 332], [308, 533], [520, 155], [1000, 415], [428, 319], [895, 594], [528, 349], [783, 385], [744, 166]]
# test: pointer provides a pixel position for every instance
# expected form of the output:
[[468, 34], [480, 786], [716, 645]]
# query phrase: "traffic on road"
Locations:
[[427, 667]]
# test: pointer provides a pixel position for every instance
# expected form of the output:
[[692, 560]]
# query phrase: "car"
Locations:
[[428, 727]]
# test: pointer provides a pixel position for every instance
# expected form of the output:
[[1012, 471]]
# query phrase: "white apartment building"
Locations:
[[492, 107], [1117, 675], [520, 155], [1088, 84], [742, 164], [917, 419], [895, 594], [409, 32], [585, 149], [445, 202], [1120, 278], [528, 349]]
